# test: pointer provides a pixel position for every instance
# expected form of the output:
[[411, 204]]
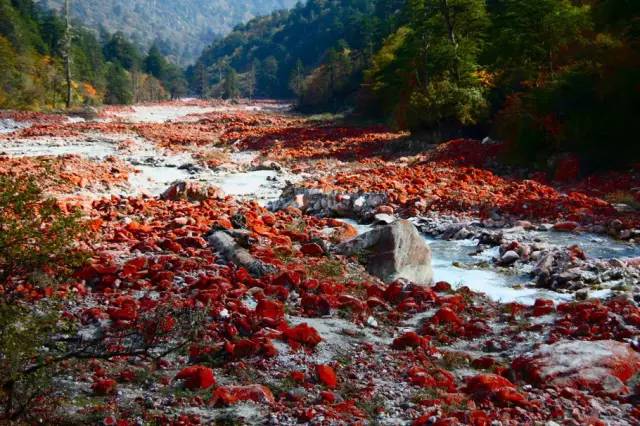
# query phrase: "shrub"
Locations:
[[37, 238], [25, 376]]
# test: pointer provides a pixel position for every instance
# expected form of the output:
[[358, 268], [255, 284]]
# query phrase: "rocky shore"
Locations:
[[249, 267]]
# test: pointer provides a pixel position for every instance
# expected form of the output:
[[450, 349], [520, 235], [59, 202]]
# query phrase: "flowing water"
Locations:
[[457, 263]]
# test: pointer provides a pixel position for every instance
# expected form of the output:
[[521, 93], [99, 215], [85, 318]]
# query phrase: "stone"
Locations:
[[268, 165], [603, 366], [190, 191], [582, 294], [382, 218], [565, 226], [393, 252], [509, 258], [231, 251], [625, 234], [384, 210]]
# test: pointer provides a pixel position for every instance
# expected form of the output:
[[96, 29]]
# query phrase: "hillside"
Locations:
[[183, 27], [109, 70], [274, 46], [552, 77]]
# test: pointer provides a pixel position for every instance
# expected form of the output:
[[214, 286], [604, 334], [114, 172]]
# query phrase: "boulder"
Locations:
[[391, 252], [603, 366], [509, 258]]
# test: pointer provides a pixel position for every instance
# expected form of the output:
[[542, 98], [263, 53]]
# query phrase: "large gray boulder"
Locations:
[[392, 252]]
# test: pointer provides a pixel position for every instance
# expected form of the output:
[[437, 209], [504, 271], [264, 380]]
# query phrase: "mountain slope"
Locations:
[[182, 27], [276, 45]]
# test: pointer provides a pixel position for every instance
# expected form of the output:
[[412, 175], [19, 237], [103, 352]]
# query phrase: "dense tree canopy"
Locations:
[[548, 76], [32, 72]]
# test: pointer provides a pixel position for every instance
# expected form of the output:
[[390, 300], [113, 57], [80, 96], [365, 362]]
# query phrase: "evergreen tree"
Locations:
[[155, 64], [122, 51], [118, 85], [230, 85]]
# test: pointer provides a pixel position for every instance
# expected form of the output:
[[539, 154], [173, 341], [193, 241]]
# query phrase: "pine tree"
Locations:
[[231, 89]]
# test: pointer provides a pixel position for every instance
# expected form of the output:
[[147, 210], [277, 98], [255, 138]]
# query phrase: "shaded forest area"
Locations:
[[547, 76]]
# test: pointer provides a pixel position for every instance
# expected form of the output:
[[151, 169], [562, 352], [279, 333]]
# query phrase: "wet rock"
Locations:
[[600, 366], [509, 258], [565, 226], [384, 210], [191, 168], [231, 251], [330, 204], [384, 219], [582, 294], [392, 252], [623, 208], [524, 224], [190, 191], [491, 239], [625, 234]]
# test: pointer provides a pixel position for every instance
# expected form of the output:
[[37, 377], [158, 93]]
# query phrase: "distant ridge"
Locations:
[[182, 28]]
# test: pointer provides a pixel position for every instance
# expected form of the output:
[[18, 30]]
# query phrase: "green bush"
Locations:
[[37, 239], [25, 376]]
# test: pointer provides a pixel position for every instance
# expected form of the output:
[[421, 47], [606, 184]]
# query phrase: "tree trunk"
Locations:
[[67, 64], [446, 12]]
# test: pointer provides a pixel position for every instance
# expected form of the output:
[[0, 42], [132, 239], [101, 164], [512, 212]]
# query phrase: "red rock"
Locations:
[[498, 389], [197, 377], [565, 226], [313, 305], [229, 395], [543, 307], [567, 169], [127, 376], [410, 339], [104, 387], [442, 287], [327, 376], [270, 309], [245, 348], [312, 249], [446, 316], [297, 376], [600, 366], [328, 397], [302, 334], [122, 314]]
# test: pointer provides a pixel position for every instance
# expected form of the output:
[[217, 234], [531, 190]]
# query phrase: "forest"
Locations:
[[180, 28], [105, 68], [549, 76]]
